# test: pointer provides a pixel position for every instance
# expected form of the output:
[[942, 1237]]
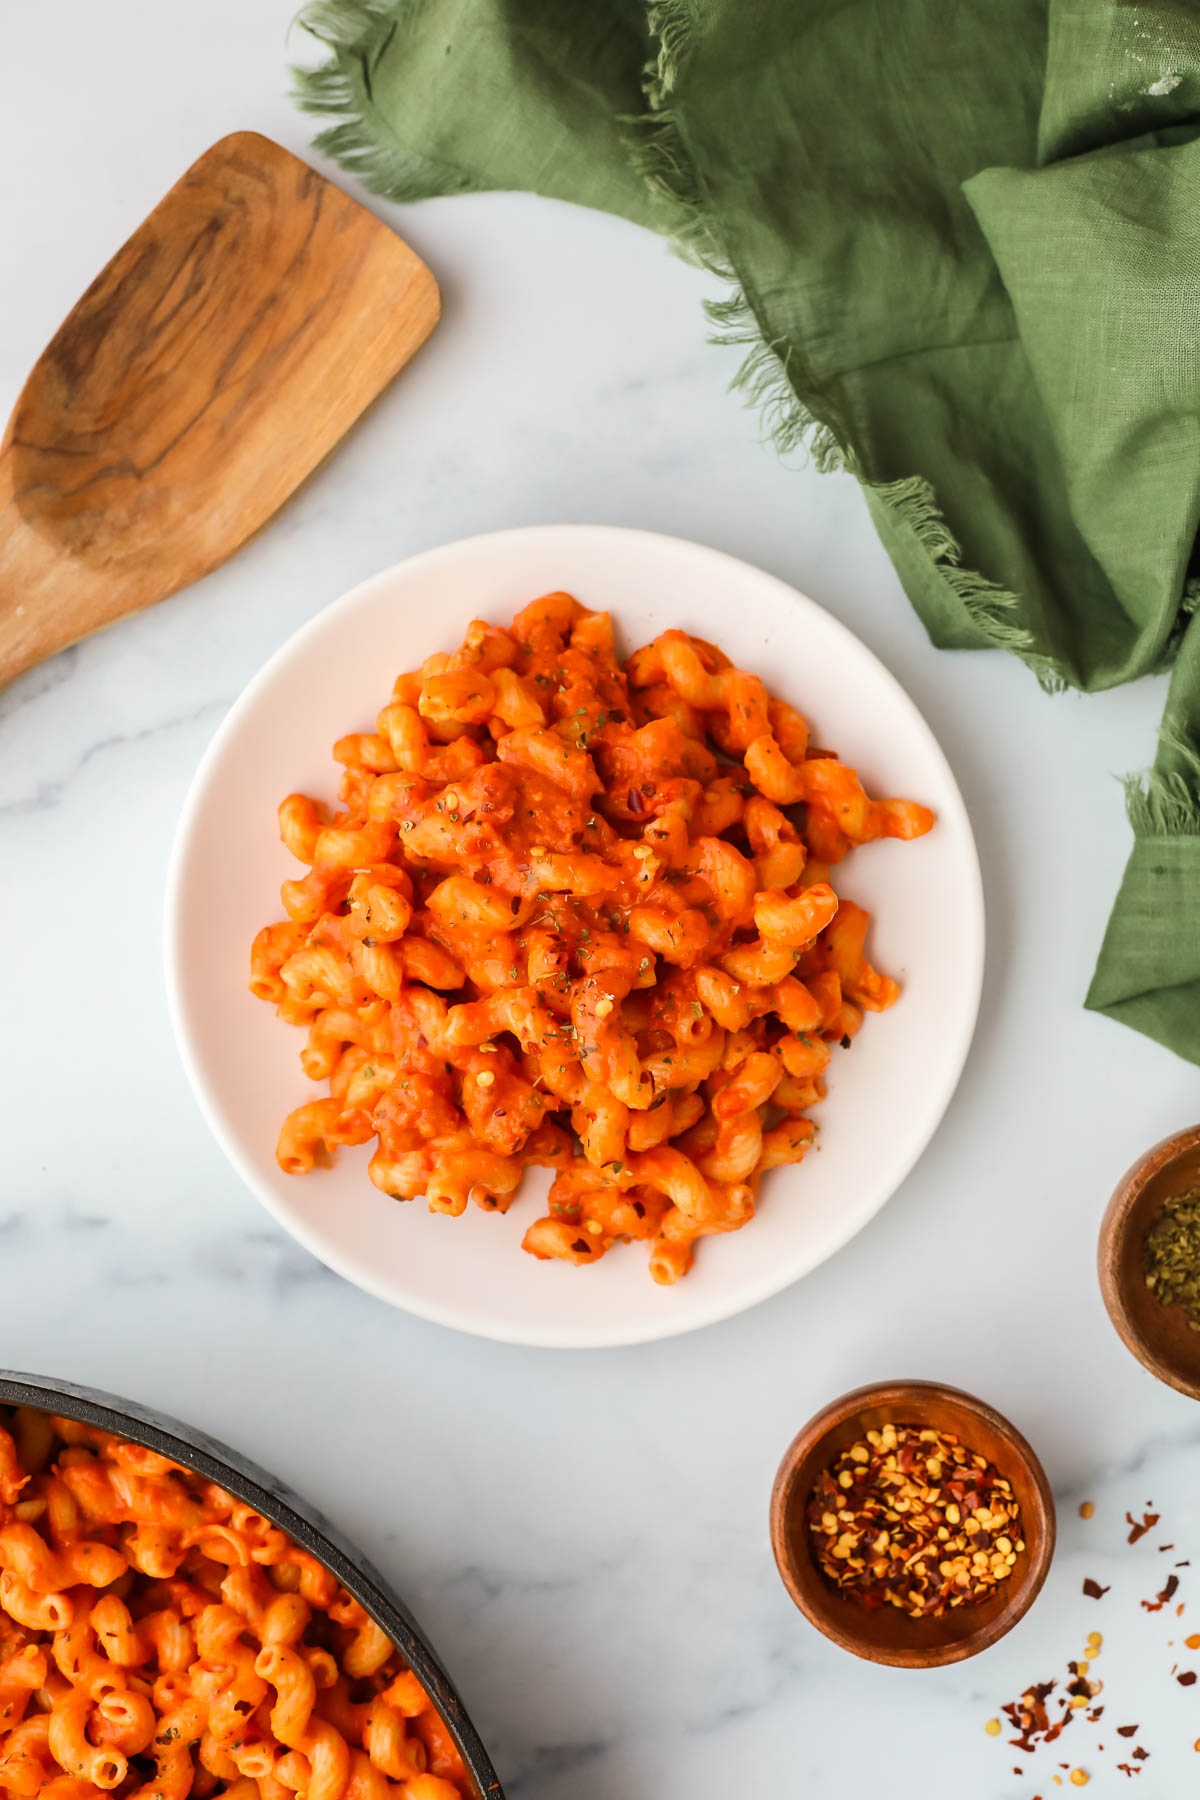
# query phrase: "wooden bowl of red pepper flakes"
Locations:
[[901, 1621]]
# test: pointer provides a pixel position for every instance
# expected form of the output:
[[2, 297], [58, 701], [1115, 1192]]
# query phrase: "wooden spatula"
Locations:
[[205, 373]]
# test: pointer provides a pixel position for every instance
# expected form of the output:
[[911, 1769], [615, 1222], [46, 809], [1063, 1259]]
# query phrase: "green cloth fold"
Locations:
[[961, 246]]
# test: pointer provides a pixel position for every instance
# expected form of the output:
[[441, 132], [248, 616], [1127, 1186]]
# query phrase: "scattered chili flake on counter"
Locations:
[[1033, 1715], [1149, 1521], [910, 1517], [1030, 1718], [1162, 1597]]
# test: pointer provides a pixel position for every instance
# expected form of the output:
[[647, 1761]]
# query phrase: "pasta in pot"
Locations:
[[581, 916], [160, 1639]]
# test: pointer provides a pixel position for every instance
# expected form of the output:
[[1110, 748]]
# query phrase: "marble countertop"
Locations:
[[583, 1535]]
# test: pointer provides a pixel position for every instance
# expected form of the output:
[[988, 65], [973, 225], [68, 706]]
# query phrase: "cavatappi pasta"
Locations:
[[159, 1639], [576, 915]]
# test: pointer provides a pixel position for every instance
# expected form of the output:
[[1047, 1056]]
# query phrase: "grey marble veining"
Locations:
[[583, 1536]]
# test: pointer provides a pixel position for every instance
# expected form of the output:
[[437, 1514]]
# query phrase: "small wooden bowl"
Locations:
[[888, 1635], [1159, 1336]]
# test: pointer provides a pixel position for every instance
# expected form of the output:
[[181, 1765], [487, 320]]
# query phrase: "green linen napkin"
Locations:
[[960, 241]]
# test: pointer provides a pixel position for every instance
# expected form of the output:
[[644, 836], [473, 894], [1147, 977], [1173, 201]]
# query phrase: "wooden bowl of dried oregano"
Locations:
[[1149, 1260], [912, 1524]]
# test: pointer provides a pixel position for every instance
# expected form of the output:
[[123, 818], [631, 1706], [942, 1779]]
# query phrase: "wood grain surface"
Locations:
[[208, 369]]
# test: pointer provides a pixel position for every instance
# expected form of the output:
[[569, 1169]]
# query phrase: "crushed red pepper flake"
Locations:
[[1031, 1715], [1149, 1521], [911, 1517], [1161, 1599]]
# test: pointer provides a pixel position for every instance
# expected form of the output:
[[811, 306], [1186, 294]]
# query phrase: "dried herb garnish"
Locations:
[[1172, 1254]]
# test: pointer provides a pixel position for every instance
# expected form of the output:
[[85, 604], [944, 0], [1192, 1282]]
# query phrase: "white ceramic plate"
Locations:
[[886, 1096]]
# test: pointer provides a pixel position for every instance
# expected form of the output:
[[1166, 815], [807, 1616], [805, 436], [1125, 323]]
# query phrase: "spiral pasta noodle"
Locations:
[[160, 1639], [578, 915]]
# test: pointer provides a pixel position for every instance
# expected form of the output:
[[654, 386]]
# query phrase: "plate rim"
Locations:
[[531, 1336]]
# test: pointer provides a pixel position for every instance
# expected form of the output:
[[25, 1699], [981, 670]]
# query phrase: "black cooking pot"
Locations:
[[196, 1450]]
